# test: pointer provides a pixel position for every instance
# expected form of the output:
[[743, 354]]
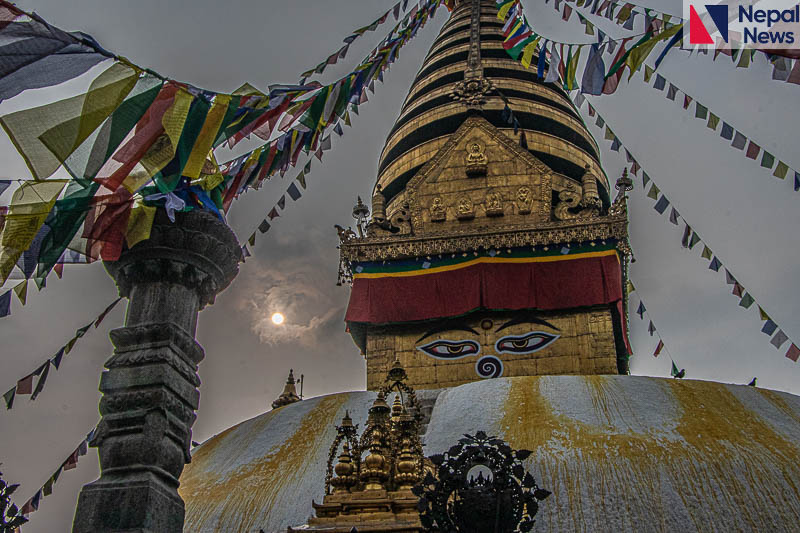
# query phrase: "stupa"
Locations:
[[492, 273]]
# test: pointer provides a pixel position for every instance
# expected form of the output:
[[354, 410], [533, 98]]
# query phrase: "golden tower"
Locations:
[[494, 247]]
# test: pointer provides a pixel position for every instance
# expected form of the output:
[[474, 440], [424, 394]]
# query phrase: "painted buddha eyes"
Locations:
[[532, 342], [442, 349]]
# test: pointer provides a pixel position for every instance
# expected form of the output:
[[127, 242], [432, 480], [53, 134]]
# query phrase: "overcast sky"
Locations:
[[747, 217]]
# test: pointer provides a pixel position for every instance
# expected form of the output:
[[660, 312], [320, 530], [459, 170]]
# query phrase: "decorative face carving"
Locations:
[[520, 335]]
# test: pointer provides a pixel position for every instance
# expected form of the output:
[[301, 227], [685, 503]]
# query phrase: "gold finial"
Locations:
[[289, 394]]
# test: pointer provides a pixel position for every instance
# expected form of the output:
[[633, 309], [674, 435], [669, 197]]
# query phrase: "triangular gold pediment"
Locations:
[[479, 177]]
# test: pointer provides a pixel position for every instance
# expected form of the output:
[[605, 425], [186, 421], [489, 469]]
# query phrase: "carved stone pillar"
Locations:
[[150, 386]]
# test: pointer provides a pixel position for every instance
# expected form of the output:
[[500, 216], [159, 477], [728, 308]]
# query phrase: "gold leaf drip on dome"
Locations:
[[368, 483]]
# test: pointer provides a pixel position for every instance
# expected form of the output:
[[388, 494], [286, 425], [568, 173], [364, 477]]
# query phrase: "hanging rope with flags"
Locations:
[[691, 238]]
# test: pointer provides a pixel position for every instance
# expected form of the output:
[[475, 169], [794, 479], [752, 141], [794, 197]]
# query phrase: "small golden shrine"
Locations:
[[368, 483], [289, 394]]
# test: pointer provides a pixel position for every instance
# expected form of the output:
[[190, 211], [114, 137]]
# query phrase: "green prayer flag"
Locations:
[[781, 170], [648, 73], [707, 252], [747, 301], [46, 135], [609, 135], [744, 60], [700, 111], [629, 287], [252, 239], [571, 82], [653, 193], [767, 160], [674, 372], [713, 121], [695, 239]]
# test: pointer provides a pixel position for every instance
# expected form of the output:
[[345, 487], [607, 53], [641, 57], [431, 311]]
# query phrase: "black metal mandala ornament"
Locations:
[[482, 487]]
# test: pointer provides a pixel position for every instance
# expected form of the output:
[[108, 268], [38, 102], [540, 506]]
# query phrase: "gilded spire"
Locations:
[[289, 394]]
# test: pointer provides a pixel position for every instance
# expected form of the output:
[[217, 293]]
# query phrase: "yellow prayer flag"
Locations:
[[29, 208], [528, 51], [637, 55], [503, 11], [139, 224], [47, 135], [21, 291], [762, 313], [208, 133], [706, 252]]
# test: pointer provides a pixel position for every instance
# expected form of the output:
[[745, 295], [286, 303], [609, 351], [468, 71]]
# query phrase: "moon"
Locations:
[[277, 318]]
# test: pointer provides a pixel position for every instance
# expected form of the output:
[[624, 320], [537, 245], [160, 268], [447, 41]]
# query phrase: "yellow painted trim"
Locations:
[[479, 260]]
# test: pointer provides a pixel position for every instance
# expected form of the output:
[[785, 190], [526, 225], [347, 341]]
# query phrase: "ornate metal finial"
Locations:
[[624, 181], [360, 213], [397, 372], [482, 486]]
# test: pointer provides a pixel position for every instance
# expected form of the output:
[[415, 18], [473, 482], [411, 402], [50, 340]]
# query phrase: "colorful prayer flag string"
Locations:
[[69, 463], [691, 239], [24, 386]]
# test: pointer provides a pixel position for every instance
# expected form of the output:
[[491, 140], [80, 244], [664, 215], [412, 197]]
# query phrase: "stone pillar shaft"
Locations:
[[150, 388]]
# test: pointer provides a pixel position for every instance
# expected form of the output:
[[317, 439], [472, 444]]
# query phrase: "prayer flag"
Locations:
[[700, 111], [264, 226], [746, 301], [767, 160], [727, 131], [282, 202], [42, 380], [294, 192], [640, 311], [56, 360], [301, 179], [21, 290], [777, 341], [729, 279], [763, 314], [252, 239], [4, 184], [9, 397], [661, 205], [781, 170], [715, 264], [713, 121], [594, 74], [694, 240], [769, 327], [273, 213], [645, 179], [25, 385], [739, 141], [673, 216], [793, 352], [648, 73], [651, 328], [660, 83], [658, 348], [672, 92], [737, 289], [629, 288], [653, 192], [752, 150], [706, 252], [5, 304]]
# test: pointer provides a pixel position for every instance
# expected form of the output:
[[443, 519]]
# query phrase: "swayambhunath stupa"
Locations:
[[489, 296]]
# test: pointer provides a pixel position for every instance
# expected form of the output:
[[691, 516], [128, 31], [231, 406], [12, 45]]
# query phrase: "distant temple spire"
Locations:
[[289, 394]]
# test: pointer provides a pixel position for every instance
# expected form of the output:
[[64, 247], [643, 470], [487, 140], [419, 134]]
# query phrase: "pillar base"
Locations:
[[144, 505]]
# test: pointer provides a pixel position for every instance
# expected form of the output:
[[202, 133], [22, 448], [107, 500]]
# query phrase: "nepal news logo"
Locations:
[[764, 24]]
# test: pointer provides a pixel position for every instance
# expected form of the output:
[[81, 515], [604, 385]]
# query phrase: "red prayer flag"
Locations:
[[793, 353], [752, 150], [25, 385], [658, 348]]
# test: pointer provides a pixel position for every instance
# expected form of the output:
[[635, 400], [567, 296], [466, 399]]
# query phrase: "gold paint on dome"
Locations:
[[207, 493], [713, 431]]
